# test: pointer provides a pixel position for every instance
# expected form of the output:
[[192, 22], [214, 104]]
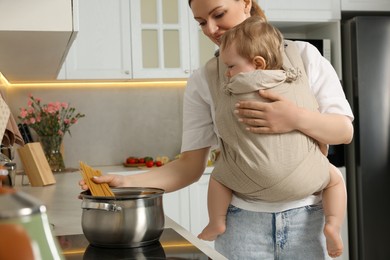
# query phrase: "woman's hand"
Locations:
[[282, 116], [112, 180], [278, 116]]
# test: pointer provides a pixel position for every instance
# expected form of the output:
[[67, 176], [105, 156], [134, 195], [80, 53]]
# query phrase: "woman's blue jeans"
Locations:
[[288, 235]]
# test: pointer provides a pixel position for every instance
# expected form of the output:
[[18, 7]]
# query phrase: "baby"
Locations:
[[268, 167]]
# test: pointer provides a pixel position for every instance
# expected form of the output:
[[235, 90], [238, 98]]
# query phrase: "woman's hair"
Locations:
[[256, 37], [255, 10]]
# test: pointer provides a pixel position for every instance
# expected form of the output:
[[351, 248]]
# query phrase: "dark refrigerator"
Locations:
[[366, 79]]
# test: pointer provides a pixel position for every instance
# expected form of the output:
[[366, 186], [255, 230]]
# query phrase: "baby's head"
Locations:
[[253, 44]]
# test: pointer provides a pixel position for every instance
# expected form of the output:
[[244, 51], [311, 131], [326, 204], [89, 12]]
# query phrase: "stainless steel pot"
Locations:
[[133, 218]]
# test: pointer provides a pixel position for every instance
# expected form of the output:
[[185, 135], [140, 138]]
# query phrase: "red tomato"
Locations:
[[159, 163], [149, 164], [141, 160], [131, 161]]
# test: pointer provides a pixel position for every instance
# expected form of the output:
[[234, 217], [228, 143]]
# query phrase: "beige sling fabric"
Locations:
[[270, 167]]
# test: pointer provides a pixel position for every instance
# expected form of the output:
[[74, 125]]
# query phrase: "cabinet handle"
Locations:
[[127, 72], [186, 71]]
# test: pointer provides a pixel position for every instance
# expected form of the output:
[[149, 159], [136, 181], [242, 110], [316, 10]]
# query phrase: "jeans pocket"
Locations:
[[233, 209], [314, 208]]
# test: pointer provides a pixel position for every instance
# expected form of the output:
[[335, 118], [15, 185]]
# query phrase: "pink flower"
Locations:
[[54, 118], [23, 113], [51, 108]]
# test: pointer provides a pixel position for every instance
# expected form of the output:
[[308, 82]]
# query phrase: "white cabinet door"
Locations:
[[176, 206], [160, 34], [102, 49], [198, 206], [301, 10], [365, 5]]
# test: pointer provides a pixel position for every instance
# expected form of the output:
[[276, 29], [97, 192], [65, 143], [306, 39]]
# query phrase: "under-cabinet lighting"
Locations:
[[92, 83]]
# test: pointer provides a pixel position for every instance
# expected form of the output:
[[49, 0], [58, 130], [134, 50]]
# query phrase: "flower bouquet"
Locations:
[[51, 122]]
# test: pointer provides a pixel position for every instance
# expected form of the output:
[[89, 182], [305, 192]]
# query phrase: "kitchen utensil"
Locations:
[[133, 218]]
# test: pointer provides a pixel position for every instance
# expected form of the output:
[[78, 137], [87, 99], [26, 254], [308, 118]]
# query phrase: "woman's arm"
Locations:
[[282, 116], [170, 177]]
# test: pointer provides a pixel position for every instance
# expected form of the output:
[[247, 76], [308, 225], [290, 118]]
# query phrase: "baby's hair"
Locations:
[[256, 37]]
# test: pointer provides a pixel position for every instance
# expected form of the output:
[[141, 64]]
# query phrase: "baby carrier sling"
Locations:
[[269, 167]]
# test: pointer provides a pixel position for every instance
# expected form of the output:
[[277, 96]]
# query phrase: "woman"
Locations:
[[255, 230]]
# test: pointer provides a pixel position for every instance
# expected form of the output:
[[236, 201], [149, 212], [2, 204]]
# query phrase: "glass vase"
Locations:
[[52, 148]]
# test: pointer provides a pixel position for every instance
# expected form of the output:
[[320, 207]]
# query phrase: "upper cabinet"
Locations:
[[35, 37], [160, 33], [365, 5], [102, 49], [137, 39], [146, 39], [301, 10]]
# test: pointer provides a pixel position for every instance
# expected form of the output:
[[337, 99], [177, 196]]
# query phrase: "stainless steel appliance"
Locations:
[[366, 76]]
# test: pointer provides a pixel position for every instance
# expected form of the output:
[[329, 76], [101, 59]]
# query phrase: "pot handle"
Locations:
[[100, 206]]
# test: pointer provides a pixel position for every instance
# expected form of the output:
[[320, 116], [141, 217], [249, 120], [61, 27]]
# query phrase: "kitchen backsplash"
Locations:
[[119, 121]]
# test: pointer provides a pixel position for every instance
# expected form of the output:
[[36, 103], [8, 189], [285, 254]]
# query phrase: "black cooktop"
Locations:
[[171, 246]]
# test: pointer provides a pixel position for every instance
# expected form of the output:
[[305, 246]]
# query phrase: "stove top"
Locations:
[[171, 246]]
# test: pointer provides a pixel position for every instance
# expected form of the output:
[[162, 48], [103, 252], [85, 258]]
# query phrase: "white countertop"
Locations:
[[64, 206]]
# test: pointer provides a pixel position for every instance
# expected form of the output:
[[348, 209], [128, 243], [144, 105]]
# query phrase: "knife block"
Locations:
[[35, 165]]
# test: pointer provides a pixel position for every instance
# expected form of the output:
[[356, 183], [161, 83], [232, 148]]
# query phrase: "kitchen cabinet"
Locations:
[[123, 39], [177, 207], [102, 47], [35, 36], [161, 38], [199, 217], [188, 206], [365, 5], [301, 10], [145, 39]]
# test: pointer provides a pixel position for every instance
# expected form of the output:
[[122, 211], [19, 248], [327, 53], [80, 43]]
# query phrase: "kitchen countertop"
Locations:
[[64, 206]]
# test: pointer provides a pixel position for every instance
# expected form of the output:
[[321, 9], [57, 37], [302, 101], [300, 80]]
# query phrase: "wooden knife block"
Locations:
[[35, 165]]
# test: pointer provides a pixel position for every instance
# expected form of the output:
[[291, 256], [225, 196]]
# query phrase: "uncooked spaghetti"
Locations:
[[101, 189]]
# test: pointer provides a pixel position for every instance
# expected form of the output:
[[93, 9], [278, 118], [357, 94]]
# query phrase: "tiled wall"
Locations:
[[119, 121]]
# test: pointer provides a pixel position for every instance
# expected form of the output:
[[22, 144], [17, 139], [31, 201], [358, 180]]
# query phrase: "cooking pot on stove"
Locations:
[[133, 218]]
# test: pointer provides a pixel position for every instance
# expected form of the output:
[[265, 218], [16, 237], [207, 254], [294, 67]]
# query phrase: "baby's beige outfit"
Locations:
[[270, 167]]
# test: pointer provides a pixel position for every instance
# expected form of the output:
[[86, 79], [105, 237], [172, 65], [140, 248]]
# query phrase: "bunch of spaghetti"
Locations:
[[101, 189]]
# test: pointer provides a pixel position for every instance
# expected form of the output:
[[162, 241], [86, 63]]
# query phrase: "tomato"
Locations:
[[141, 160], [130, 160], [158, 163], [149, 164]]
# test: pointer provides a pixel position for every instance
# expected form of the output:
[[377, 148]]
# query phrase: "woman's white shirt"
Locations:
[[199, 128]]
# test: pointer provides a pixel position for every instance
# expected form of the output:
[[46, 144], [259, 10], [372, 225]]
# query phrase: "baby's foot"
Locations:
[[334, 243], [211, 231]]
